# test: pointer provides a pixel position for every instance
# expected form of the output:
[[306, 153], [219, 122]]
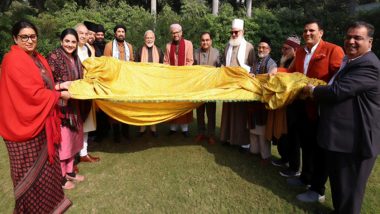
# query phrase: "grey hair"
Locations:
[[149, 31]]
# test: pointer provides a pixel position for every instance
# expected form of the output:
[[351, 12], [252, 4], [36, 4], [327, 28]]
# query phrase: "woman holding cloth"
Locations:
[[30, 124], [66, 66]]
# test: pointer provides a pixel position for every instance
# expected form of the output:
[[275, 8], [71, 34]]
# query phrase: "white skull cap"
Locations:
[[238, 24]]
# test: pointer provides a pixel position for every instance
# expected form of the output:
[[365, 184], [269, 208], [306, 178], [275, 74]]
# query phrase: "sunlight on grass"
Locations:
[[175, 175]]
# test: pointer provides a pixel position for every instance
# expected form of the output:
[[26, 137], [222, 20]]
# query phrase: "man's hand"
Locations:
[[308, 90]]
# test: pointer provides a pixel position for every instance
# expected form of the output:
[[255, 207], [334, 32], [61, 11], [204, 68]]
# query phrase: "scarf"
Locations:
[[66, 68], [27, 104], [240, 57], [116, 52], [145, 54], [181, 53]]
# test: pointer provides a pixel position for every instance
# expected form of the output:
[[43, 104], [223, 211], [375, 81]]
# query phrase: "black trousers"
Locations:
[[210, 110], [314, 171], [348, 178], [292, 147]]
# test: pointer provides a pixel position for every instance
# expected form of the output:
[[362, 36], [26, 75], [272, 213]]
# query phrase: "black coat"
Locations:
[[350, 109]]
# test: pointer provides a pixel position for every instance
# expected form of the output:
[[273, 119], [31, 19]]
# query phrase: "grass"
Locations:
[[176, 175]]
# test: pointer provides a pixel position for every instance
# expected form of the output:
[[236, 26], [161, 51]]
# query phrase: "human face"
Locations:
[[26, 40], [263, 49], [99, 36], [82, 34], [312, 34], [91, 37], [236, 33], [120, 35], [69, 43], [206, 41], [176, 34], [149, 39], [287, 51], [357, 42]]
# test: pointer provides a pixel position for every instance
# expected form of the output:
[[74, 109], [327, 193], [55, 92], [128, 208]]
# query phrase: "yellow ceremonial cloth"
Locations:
[[149, 93]]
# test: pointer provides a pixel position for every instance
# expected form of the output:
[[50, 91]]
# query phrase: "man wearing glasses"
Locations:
[[238, 52], [179, 52]]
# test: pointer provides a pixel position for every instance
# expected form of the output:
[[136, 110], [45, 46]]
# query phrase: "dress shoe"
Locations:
[[171, 132], [200, 137], [311, 196], [87, 159], [93, 157], [74, 177], [186, 134], [211, 141]]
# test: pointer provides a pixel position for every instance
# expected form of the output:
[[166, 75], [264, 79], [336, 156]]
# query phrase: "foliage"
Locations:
[[275, 19]]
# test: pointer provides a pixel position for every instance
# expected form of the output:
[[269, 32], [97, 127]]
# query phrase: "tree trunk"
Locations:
[[215, 7], [249, 8], [153, 7]]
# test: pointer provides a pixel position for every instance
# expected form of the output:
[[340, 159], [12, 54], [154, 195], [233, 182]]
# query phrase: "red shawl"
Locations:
[[27, 105], [181, 53]]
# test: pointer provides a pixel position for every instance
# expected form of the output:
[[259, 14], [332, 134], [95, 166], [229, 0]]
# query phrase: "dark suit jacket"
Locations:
[[350, 109]]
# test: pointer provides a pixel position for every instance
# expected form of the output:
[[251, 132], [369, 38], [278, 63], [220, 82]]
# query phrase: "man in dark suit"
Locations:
[[349, 129]]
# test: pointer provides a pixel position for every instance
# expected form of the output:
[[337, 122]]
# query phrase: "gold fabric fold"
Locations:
[[149, 93]]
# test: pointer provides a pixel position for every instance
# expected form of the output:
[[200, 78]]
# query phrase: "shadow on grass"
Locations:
[[246, 165]]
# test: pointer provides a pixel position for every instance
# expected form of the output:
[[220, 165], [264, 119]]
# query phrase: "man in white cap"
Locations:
[[179, 52], [241, 53]]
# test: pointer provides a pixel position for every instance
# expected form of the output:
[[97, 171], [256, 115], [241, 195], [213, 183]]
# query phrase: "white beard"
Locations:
[[235, 42], [283, 59], [149, 45], [262, 55]]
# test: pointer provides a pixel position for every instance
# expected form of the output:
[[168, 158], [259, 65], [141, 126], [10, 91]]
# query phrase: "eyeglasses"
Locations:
[[285, 48], [234, 32], [25, 38]]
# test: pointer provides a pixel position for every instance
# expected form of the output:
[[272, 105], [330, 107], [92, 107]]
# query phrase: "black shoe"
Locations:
[[288, 173], [171, 132], [279, 163], [186, 134], [154, 134]]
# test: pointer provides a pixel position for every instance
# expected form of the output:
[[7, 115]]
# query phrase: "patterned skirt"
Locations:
[[36, 181]]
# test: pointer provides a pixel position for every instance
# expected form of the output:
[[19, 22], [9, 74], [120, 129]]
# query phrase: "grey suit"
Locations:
[[349, 129], [212, 57]]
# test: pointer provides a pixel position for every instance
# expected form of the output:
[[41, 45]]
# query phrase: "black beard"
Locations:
[[119, 39]]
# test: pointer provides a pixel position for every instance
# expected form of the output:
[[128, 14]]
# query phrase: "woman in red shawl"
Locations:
[[66, 66], [29, 124]]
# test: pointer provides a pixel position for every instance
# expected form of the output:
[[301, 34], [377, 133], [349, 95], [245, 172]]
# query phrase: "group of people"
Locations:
[[335, 127]]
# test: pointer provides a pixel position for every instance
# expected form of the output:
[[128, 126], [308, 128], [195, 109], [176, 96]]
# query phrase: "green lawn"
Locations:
[[176, 175]]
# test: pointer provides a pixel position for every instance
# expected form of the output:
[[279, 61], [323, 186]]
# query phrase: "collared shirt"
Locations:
[[345, 61], [83, 53], [308, 57]]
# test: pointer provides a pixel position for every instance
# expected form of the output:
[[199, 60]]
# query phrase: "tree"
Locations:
[[4, 5], [249, 8], [153, 7], [215, 7]]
